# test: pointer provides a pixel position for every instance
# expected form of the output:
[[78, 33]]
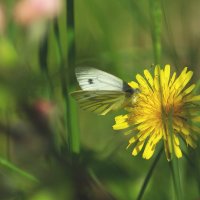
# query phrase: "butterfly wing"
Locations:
[[100, 102], [94, 79], [101, 92]]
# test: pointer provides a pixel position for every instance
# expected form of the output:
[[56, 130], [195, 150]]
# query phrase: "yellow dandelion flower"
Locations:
[[165, 109]]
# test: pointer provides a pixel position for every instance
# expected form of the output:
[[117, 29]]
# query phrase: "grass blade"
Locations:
[[17, 170], [149, 174]]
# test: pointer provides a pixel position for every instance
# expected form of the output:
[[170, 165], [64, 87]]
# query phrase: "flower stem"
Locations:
[[73, 130], [66, 69], [149, 174], [156, 17], [174, 167]]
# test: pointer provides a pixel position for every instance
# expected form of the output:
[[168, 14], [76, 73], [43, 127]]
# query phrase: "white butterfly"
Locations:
[[102, 92]]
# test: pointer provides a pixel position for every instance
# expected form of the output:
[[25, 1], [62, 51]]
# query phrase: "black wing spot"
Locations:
[[90, 81]]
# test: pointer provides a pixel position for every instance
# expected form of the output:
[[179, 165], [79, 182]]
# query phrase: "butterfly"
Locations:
[[102, 92]]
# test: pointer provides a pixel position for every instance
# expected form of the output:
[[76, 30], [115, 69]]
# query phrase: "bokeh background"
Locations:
[[49, 148]]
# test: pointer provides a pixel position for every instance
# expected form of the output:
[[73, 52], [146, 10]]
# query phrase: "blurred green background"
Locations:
[[49, 148]]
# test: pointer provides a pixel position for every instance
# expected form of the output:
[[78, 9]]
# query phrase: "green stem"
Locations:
[[174, 166], [73, 131], [66, 69], [156, 17], [149, 174], [71, 118]]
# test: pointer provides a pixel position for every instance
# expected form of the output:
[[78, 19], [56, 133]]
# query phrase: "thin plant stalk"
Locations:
[[156, 26], [73, 131], [174, 165], [65, 65], [149, 175]]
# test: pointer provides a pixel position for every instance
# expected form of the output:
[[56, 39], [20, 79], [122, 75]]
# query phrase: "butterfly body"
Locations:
[[102, 92]]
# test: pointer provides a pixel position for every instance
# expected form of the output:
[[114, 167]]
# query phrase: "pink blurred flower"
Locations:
[[2, 19], [29, 11], [44, 108]]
